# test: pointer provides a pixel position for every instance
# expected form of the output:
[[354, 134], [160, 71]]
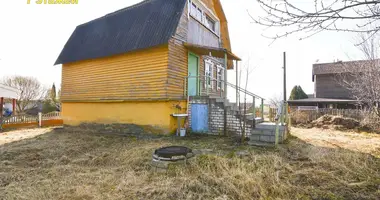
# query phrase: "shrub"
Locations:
[[370, 123], [299, 117]]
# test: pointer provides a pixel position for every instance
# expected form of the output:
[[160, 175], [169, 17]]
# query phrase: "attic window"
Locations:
[[204, 15]]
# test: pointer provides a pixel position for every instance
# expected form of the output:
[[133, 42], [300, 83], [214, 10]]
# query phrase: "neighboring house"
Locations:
[[328, 90], [142, 63], [9, 93]]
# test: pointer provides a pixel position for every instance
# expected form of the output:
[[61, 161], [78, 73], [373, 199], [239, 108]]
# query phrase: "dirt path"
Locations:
[[361, 142], [12, 136]]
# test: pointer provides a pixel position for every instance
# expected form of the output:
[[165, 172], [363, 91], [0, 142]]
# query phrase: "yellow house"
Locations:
[[145, 62]]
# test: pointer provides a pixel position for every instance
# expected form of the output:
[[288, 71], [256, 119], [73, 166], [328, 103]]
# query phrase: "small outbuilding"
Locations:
[[7, 92]]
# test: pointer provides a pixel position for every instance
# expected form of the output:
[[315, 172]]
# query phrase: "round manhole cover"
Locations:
[[165, 155]]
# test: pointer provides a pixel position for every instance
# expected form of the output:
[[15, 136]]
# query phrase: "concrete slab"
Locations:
[[269, 126]]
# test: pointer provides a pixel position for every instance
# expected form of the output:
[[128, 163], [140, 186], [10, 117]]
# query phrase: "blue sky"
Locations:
[[32, 37]]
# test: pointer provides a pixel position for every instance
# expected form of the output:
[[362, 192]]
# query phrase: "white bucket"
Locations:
[[182, 132]]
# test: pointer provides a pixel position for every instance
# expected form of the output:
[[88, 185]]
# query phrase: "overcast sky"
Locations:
[[32, 36]]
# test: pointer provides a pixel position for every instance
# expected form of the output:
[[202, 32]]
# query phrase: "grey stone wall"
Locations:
[[216, 117]]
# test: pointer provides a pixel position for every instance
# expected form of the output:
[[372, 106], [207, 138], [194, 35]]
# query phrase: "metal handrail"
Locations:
[[222, 81]]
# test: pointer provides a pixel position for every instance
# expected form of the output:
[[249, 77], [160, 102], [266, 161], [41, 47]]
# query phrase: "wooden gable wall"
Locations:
[[178, 54], [131, 76], [177, 69]]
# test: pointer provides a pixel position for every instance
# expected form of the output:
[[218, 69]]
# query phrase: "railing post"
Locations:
[[207, 87], [184, 87], [237, 83], [286, 113], [39, 119], [282, 114], [254, 112]]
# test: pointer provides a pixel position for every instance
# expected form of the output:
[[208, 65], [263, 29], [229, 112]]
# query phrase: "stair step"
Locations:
[[269, 126], [261, 144], [220, 100], [265, 138], [264, 132]]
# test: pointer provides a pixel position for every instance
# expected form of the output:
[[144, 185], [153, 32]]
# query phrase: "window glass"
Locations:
[[220, 77], [208, 73], [193, 10], [210, 23], [199, 14]]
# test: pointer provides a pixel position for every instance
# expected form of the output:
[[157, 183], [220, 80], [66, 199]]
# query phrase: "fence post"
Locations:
[[277, 133], [39, 119], [262, 109]]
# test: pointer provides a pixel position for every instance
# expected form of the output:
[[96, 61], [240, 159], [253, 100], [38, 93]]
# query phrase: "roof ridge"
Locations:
[[350, 61], [118, 11]]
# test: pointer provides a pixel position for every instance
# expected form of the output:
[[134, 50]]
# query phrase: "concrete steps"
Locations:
[[266, 133]]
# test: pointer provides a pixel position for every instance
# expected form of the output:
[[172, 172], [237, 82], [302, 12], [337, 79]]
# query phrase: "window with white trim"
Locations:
[[209, 75], [210, 23], [220, 77], [204, 15]]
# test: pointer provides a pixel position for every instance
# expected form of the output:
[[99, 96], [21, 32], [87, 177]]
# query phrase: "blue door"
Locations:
[[199, 118]]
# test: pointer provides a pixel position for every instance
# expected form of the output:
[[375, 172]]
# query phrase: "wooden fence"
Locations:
[[25, 121]]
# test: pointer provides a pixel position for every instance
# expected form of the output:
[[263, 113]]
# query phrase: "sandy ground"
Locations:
[[12, 136], [361, 142]]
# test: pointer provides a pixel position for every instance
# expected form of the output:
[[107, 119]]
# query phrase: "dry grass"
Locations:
[[78, 163], [361, 142]]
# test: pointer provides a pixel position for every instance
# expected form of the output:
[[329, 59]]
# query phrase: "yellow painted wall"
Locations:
[[153, 113], [134, 75]]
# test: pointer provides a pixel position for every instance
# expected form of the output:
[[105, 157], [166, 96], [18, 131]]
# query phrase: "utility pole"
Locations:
[[284, 106], [284, 77]]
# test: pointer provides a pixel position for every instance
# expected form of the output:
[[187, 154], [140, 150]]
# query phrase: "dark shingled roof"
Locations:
[[147, 24], [342, 67]]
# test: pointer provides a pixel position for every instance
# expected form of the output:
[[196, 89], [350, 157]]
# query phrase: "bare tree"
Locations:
[[31, 91], [312, 17], [276, 100], [362, 78], [247, 69]]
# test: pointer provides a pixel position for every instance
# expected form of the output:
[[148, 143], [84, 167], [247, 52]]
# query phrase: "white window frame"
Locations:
[[221, 78], [206, 23], [209, 68]]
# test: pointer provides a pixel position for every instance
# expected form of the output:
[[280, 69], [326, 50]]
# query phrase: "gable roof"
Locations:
[[8, 92], [342, 67], [146, 24]]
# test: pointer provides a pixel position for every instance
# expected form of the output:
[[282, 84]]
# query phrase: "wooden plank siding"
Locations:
[[327, 86], [216, 7], [177, 70], [178, 56], [135, 75], [200, 35]]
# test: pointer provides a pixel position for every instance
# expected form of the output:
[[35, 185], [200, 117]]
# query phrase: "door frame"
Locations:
[[198, 92]]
